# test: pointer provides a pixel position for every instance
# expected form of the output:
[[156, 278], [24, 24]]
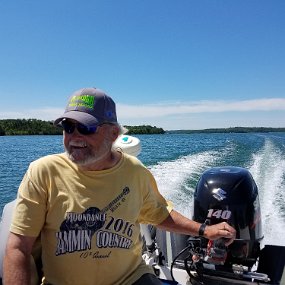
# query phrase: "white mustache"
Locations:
[[78, 143]]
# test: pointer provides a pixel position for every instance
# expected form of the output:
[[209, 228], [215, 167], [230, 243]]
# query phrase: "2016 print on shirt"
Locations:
[[77, 230]]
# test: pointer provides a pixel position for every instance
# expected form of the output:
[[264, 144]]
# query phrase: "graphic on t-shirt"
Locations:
[[77, 230]]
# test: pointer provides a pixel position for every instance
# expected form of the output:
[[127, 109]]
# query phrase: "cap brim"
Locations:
[[81, 117]]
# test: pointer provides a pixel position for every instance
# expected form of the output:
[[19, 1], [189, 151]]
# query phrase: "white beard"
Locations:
[[83, 154]]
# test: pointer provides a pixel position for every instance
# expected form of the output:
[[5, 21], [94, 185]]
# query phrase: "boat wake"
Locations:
[[177, 179], [268, 170]]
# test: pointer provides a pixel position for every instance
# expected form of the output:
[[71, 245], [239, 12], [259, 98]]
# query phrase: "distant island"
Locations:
[[10, 127], [144, 129], [230, 130]]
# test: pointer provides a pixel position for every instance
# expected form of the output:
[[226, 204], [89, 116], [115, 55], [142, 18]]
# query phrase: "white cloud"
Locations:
[[47, 114], [159, 110], [163, 109]]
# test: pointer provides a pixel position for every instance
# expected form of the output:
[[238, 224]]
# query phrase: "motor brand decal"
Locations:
[[219, 194]]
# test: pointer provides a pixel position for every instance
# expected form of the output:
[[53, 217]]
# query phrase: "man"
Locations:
[[87, 204]]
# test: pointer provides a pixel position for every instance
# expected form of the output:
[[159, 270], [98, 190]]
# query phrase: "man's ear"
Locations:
[[114, 132]]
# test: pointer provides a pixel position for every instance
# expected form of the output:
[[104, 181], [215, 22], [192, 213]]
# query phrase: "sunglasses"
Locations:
[[69, 127]]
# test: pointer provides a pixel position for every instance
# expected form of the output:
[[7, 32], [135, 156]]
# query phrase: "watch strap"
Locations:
[[202, 230]]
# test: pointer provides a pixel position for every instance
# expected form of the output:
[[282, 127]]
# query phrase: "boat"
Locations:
[[227, 193]]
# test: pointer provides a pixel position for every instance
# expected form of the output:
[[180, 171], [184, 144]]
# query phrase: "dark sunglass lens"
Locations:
[[68, 127], [86, 130]]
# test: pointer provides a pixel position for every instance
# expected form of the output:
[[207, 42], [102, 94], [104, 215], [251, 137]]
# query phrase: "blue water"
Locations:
[[177, 161]]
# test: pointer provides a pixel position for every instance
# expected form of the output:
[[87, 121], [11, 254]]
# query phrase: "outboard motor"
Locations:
[[230, 194], [223, 194]]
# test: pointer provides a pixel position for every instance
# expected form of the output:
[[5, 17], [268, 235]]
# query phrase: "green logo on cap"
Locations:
[[86, 101]]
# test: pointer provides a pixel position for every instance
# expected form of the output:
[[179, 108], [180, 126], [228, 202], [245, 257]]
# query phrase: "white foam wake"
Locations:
[[173, 178], [268, 170]]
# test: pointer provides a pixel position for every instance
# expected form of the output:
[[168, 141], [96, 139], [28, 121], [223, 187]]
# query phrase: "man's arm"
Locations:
[[17, 266], [176, 222]]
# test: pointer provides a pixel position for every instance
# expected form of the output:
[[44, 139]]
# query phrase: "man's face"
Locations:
[[91, 149]]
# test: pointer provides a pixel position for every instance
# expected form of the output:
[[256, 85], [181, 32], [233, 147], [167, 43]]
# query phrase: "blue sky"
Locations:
[[176, 64]]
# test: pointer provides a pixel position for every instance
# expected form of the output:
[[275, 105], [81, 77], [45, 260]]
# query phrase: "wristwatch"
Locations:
[[202, 230]]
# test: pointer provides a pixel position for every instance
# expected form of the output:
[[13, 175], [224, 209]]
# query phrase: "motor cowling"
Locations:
[[230, 194]]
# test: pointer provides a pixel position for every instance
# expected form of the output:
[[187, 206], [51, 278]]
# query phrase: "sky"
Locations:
[[175, 64]]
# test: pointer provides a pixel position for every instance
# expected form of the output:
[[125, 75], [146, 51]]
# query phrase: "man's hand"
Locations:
[[176, 222], [221, 230]]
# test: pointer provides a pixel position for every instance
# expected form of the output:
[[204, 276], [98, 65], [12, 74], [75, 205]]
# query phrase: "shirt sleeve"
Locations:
[[155, 208], [29, 214]]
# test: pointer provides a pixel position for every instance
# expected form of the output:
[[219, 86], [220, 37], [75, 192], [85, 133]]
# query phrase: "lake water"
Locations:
[[177, 161]]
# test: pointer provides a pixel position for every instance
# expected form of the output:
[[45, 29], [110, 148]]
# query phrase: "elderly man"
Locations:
[[86, 205]]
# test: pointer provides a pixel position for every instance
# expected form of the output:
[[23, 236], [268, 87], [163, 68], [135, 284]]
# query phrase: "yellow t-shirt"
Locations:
[[88, 220]]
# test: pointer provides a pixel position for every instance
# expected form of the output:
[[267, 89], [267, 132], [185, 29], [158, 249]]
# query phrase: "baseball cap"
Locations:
[[90, 107]]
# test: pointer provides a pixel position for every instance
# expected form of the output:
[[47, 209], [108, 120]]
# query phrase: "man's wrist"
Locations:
[[201, 231]]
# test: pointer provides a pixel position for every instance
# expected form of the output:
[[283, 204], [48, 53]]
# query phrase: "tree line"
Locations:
[[144, 129], [230, 130], [12, 127]]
